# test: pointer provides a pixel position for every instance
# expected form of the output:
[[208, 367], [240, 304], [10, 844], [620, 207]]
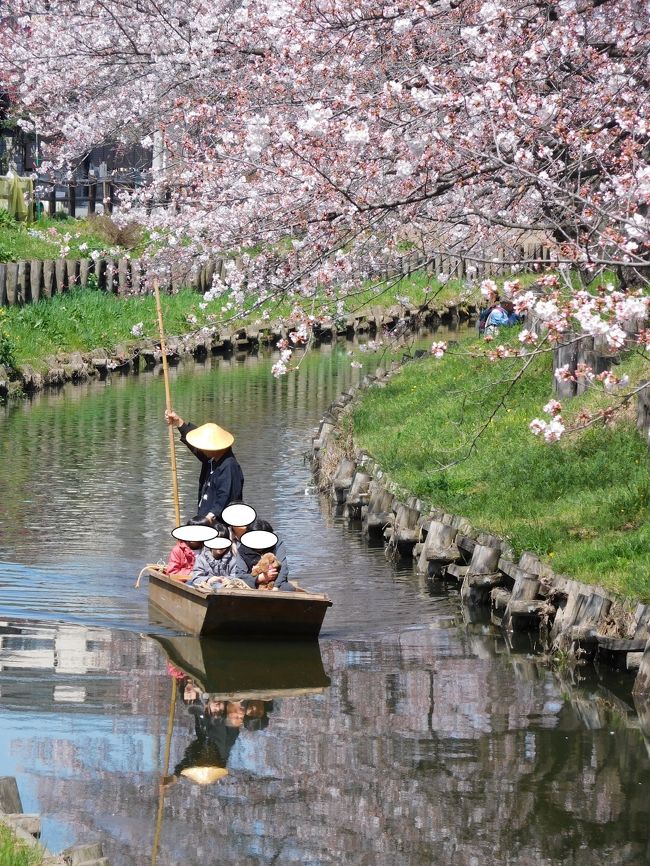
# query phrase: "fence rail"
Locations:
[[29, 281]]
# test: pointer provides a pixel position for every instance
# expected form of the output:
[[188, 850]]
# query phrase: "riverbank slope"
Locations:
[[454, 432]]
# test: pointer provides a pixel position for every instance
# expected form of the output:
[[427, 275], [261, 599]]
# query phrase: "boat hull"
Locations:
[[239, 613]]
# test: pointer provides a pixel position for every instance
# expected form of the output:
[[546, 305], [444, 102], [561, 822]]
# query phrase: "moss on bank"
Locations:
[[583, 504]]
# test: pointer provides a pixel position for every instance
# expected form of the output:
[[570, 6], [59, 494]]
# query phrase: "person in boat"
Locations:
[[261, 539], [217, 730], [221, 480], [216, 561], [189, 541], [239, 517]]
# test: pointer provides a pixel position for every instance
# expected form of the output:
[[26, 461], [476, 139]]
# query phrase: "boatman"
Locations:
[[221, 480]]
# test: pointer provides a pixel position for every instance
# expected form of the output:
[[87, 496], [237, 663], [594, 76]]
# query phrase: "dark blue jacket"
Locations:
[[247, 558], [220, 482]]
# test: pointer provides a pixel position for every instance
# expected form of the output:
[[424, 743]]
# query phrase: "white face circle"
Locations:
[[218, 543], [194, 533], [259, 539], [238, 515]]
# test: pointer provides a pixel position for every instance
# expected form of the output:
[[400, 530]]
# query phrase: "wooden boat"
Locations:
[[232, 670], [238, 612]]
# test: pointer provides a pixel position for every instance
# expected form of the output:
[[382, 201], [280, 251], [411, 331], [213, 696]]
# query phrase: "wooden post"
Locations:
[[12, 283], [72, 200], [84, 271], [24, 288], [59, 270], [107, 199], [51, 204], [92, 197], [343, 480], [642, 681], [3, 284], [36, 279], [48, 278]]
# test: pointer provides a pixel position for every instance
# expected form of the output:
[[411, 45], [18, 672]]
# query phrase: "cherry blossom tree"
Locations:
[[326, 134]]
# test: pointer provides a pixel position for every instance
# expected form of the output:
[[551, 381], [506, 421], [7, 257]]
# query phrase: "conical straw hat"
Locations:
[[210, 437], [204, 775]]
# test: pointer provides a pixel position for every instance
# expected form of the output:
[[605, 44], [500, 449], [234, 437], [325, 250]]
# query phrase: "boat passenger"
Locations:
[[221, 480], [258, 540], [215, 561], [239, 517], [189, 541]]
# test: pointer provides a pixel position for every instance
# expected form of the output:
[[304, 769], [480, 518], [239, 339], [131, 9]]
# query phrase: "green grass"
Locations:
[[86, 319], [45, 238], [16, 853], [583, 504]]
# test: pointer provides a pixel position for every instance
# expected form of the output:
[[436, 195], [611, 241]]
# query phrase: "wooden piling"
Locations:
[[12, 283], [35, 279]]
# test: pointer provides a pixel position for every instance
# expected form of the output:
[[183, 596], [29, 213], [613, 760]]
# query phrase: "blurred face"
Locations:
[[214, 455], [217, 554], [235, 714], [190, 692], [195, 545], [214, 707], [255, 709]]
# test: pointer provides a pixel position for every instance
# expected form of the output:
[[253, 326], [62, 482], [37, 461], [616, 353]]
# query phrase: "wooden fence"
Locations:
[[30, 281]]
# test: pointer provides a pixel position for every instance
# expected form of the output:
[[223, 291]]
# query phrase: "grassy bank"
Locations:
[[583, 503], [75, 238], [16, 853], [88, 319]]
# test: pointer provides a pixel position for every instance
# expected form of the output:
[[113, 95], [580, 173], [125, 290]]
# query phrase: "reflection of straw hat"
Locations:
[[204, 775], [238, 514], [210, 437], [259, 539], [194, 533], [218, 543]]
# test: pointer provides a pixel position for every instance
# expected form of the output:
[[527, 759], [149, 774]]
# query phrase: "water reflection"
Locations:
[[437, 745]]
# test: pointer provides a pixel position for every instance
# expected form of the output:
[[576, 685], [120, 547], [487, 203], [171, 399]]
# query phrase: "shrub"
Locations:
[[7, 344], [6, 219], [128, 236]]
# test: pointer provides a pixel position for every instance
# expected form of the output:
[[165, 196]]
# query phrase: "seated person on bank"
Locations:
[[502, 315], [215, 562], [260, 540], [189, 542]]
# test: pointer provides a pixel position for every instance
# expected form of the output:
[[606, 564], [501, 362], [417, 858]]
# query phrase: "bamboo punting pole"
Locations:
[[161, 795], [168, 401]]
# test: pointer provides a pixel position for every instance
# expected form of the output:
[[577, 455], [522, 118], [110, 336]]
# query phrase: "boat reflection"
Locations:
[[228, 687], [248, 670]]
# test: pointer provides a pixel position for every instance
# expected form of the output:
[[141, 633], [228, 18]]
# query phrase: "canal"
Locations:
[[411, 735]]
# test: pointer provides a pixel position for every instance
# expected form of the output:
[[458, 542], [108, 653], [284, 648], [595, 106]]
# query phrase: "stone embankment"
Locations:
[[575, 619], [146, 355], [27, 829]]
